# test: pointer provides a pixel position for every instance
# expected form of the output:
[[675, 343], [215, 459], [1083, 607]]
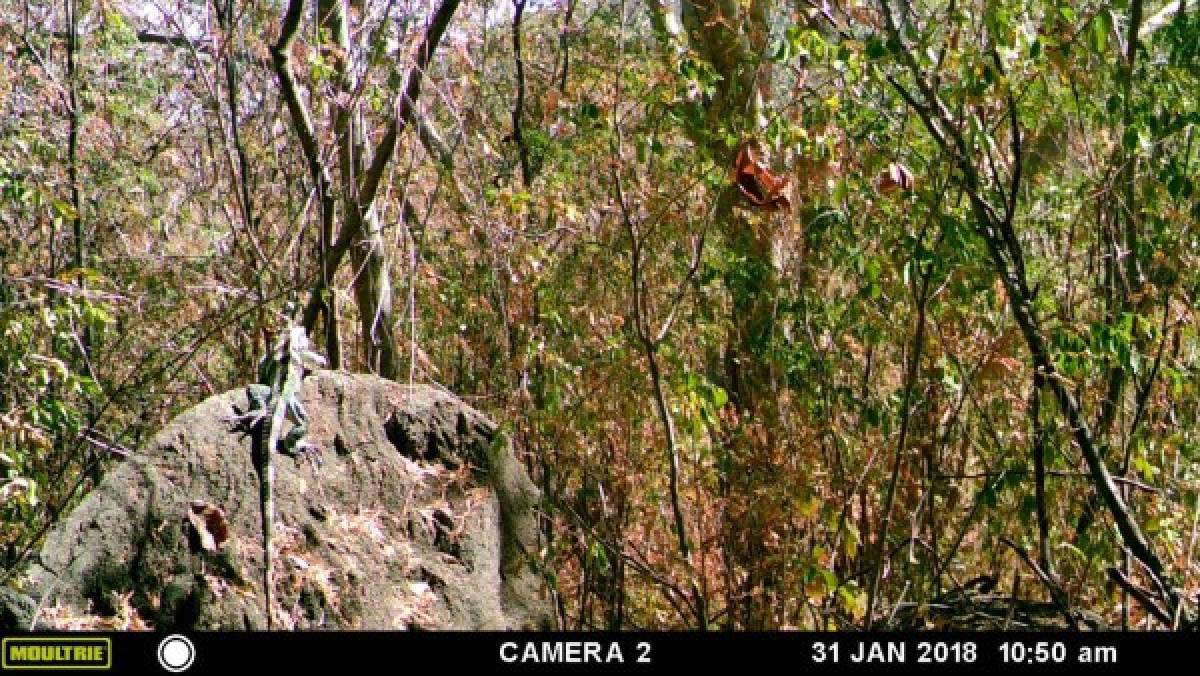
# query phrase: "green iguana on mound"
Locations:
[[277, 396]]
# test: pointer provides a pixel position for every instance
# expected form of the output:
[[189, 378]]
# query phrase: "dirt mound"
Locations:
[[416, 516]]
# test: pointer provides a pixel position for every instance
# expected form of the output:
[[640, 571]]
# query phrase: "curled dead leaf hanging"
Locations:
[[754, 179]]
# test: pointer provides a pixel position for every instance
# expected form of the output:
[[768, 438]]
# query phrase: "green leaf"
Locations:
[[719, 397], [63, 209], [783, 52], [1102, 26], [876, 49], [1179, 186]]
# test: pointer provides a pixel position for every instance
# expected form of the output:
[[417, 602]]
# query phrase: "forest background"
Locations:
[[798, 312]]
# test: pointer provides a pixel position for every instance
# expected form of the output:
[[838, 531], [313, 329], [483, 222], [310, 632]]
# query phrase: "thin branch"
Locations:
[[518, 111], [921, 300], [1143, 596], [1056, 592]]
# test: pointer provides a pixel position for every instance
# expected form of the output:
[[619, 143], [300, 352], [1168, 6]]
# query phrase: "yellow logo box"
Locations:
[[56, 652]]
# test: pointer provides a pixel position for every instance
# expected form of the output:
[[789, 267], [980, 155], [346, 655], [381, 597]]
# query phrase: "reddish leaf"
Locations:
[[754, 179]]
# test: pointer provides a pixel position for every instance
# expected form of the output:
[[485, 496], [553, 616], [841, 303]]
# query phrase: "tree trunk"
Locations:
[[372, 271]]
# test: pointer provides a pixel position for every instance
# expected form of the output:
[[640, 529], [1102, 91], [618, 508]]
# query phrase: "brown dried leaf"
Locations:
[[895, 177], [209, 523], [756, 182]]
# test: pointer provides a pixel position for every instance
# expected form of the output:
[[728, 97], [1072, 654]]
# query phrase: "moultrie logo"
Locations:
[[56, 652]]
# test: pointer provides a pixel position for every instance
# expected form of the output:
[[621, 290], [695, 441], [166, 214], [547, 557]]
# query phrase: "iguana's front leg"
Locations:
[[259, 399], [294, 442]]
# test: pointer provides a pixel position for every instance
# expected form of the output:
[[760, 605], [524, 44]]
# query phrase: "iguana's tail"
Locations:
[[267, 500]]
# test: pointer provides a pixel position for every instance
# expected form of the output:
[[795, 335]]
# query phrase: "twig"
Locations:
[[1143, 597], [1056, 592]]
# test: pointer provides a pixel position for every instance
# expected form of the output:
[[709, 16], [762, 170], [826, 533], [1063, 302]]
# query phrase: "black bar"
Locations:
[[344, 653]]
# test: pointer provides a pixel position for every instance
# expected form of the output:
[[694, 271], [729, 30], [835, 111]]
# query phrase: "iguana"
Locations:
[[277, 396]]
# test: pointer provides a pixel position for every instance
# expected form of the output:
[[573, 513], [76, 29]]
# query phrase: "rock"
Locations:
[[418, 516]]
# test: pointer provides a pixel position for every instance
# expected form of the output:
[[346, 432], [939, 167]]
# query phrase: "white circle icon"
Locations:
[[176, 653]]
